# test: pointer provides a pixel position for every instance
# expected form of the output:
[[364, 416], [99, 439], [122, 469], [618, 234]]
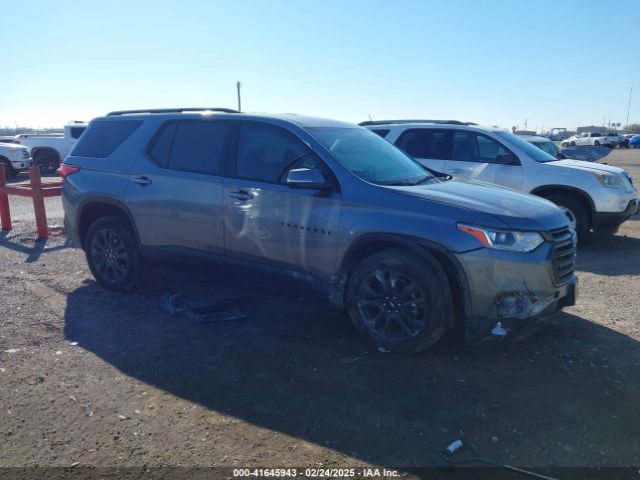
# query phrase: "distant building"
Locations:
[[592, 128]]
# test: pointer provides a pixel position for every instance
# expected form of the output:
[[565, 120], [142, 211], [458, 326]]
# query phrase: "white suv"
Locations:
[[600, 197]]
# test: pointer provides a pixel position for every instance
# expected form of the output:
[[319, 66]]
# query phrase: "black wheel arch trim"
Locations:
[[418, 245], [106, 200], [568, 190], [37, 150]]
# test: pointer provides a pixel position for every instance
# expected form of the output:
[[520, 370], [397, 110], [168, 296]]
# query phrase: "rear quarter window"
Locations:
[[102, 137], [190, 146]]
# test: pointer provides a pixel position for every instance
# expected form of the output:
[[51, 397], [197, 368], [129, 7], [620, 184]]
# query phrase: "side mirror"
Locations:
[[507, 159], [307, 178]]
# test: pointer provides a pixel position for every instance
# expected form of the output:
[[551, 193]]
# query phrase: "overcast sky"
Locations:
[[555, 64]]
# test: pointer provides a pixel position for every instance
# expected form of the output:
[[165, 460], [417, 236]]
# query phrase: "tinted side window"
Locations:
[[161, 149], [425, 143], [265, 152], [488, 149], [470, 147], [77, 131], [464, 147], [197, 147], [103, 137]]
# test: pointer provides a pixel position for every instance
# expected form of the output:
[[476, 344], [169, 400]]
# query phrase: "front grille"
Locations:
[[563, 254]]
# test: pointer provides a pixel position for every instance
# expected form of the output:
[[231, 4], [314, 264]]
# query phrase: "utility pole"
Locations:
[[629, 106], [238, 85]]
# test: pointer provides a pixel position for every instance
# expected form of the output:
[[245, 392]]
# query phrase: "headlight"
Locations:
[[17, 152], [610, 181], [504, 239]]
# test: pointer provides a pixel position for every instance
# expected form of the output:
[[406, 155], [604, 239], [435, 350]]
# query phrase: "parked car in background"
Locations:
[[624, 141], [612, 140], [600, 197], [544, 144], [596, 139], [634, 142], [48, 150], [407, 256], [15, 158]]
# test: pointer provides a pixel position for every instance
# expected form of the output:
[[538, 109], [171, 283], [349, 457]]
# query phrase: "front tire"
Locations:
[[579, 213], [8, 169], [596, 143], [112, 253], [399, 301]]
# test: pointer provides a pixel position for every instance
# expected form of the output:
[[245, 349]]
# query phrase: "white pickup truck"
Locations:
[[15, 158], [595, 139], [49, 150]]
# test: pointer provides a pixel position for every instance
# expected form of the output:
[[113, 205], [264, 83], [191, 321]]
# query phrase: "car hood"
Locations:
[[519, 211], [12, 146], [593, 167]]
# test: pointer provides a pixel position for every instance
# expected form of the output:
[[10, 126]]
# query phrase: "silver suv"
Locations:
[[407, 255]]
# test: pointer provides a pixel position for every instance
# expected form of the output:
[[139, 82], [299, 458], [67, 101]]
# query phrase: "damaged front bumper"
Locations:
[[514, 289]]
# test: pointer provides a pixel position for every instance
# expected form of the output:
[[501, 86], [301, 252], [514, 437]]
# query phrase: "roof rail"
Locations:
[[389, 122], [172, 110]]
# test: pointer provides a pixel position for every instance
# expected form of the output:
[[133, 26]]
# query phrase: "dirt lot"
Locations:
[[292, 385]]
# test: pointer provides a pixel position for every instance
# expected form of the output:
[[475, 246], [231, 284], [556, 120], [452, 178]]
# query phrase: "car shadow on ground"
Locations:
[[296, 366], [610, 255], [33, 248]]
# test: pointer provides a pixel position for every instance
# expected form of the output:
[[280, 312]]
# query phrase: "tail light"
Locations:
[[17, 141], [66, 170]]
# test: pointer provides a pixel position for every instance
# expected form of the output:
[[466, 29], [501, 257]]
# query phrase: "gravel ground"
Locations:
[[93, 378]]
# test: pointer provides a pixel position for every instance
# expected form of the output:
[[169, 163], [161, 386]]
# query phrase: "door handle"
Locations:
[[241, 195], [456, 170], [143, 181]]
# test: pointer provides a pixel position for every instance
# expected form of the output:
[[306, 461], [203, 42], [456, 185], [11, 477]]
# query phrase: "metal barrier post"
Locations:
[[5, 213], [38, 202]]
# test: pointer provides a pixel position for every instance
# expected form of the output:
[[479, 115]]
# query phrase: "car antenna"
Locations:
[[370, 119]]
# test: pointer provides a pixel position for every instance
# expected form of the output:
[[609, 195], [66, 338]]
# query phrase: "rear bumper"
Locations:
[[611, 221]]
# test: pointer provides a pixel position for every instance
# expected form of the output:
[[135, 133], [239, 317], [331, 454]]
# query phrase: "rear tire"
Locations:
[[577, 210], [399, 300], [47, 161], [596, 143], [112, 253]]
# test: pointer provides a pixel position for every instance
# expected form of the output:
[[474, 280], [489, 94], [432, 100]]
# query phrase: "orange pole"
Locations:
[[5, 213], [38, 202]]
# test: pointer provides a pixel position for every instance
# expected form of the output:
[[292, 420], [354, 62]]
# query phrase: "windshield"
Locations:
[[370, 157], [549, 147], [534, 152]]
